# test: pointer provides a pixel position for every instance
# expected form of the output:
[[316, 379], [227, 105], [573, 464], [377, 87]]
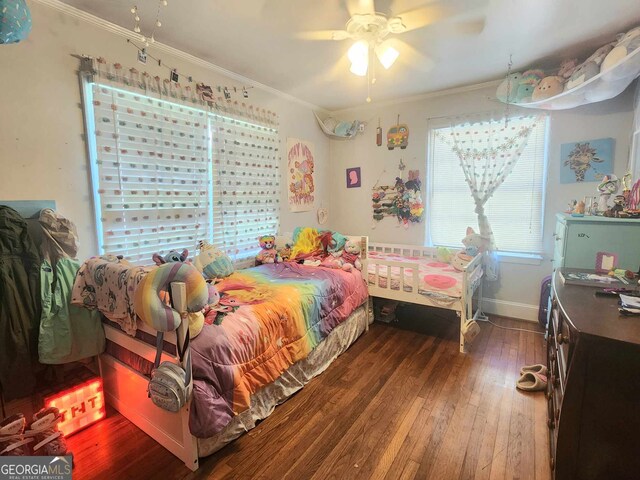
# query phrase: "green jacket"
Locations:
[[19, 305], [67, 333]]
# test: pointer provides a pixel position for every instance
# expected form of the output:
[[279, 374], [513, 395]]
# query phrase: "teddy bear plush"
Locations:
[[627, 43], [268, 254], [567, 67], [351, 256]]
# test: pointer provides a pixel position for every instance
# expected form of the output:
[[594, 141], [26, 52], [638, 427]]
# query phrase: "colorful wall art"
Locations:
[[300, 168], [586, 161], [403, 200], [353, 177]]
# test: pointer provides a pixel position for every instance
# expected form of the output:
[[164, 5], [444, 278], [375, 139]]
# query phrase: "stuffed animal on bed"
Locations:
[[474, 243], [351, 256], [172, 256], [212, 262], [268, 254]]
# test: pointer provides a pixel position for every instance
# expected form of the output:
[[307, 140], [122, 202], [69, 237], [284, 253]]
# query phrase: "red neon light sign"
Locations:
[[80, 406]]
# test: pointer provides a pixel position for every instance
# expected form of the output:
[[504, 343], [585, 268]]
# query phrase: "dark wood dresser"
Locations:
[[593, 394]]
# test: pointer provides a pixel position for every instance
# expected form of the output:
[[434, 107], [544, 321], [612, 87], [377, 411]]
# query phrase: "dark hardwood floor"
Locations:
[[401, 403]]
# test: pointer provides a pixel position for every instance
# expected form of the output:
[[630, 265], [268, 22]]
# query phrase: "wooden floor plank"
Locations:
[[401, 403]]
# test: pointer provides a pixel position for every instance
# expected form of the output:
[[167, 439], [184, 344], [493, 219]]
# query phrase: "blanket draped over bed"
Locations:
[[281, 312]]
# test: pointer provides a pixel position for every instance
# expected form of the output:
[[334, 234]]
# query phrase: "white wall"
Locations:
[[517, 292], [42, 152]]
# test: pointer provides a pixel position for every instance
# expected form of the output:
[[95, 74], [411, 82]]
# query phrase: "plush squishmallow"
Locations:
[[589, 68], [506, 91], [528, 83], [548, 87], [627, 43]]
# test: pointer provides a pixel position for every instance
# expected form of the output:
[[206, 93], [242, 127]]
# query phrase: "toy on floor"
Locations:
[[268, 254]]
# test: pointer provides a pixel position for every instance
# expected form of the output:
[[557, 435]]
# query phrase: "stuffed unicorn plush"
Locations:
[[474, 243]]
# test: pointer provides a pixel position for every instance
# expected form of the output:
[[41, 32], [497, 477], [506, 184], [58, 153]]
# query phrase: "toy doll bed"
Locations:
[[288, 323], [418, 277]]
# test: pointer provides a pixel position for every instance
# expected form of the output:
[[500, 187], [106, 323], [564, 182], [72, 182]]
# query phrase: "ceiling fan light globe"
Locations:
[[387, 55], [359, 68], [359, 52]]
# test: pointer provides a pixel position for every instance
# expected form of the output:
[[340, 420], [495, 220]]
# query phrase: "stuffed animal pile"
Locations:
[[534, 85], [313, 247]]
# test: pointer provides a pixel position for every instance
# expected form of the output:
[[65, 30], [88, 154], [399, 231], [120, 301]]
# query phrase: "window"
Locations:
[[167, 175], [515, 211]]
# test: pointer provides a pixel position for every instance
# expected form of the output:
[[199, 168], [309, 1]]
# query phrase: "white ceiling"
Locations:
[[261, 40]]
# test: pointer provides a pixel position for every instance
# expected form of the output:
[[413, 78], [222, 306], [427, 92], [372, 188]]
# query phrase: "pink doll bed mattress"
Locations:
[[436, 278]]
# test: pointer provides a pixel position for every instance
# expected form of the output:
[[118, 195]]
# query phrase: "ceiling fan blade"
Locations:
[[360, 6], [411, 57], [422, 17], [323, 35], [471, 27]]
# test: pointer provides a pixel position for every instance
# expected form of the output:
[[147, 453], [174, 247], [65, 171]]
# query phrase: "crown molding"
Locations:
[[169, 50], [421, 96]]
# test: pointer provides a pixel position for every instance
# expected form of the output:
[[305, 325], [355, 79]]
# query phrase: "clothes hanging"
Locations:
[[19, 305], [67, 333]]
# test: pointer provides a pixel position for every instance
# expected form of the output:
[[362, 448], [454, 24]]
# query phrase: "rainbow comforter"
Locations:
[[276, 315]]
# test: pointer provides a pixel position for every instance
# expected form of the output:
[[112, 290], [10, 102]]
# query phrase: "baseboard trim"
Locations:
[[504, 308]]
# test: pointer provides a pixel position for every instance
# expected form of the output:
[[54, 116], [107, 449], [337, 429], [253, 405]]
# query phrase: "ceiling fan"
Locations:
[[374, 32]]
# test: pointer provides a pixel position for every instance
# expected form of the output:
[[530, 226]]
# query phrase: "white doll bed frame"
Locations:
[[410, 292]]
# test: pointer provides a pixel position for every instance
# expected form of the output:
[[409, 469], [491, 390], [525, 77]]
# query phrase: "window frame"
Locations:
[[532, 256], [88, 111]]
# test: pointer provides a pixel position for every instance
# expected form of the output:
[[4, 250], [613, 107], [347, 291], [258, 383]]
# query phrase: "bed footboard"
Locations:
[[126, 390]]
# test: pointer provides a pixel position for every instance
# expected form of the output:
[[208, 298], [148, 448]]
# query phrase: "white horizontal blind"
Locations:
[[246, 186], [515, 211], [153, 172]]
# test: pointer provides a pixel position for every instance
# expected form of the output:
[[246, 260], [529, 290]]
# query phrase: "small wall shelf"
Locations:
[[603, 86]]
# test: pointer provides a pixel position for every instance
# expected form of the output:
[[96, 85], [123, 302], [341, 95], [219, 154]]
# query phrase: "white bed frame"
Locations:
[[126, 389], [463, 306]]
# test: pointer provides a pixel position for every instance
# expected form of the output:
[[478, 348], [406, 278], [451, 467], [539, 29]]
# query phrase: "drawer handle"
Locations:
[[562, 339]]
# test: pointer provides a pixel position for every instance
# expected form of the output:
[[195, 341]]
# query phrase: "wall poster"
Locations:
[[300, 168]]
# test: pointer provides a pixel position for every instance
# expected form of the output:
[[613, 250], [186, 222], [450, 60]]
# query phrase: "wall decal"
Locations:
[[300, 167], [398, 135], [586, 161], [353, 177]]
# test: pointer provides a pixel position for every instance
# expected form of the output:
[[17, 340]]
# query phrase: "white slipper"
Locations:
[[537, 368], [532, 382]]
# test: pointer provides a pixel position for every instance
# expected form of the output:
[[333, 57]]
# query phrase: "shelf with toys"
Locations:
[[604, 75]]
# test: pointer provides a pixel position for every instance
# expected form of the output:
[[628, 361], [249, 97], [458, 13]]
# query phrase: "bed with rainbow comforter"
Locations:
[[273, 316]]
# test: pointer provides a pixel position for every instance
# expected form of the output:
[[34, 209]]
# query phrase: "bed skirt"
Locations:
[[264, 401]]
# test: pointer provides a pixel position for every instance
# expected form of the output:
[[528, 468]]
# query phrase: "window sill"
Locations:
[[520, 258]]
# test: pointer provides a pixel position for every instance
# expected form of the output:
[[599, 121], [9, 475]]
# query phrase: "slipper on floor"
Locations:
[[532, 382], [538, 368]]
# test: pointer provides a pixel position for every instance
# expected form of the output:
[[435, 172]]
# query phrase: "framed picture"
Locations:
[[605, 262], [353, 177], [586, 161]]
